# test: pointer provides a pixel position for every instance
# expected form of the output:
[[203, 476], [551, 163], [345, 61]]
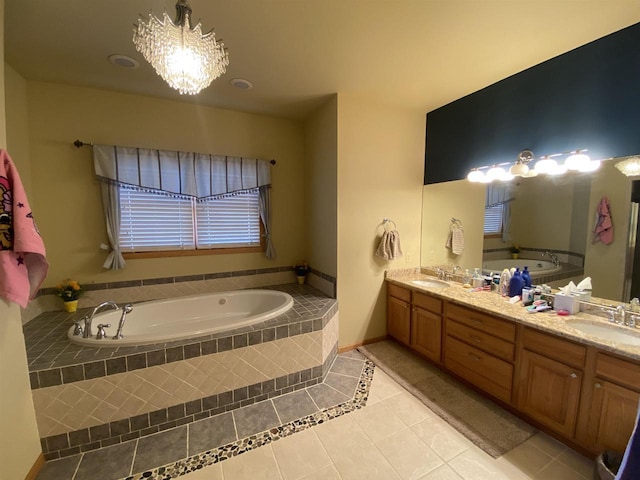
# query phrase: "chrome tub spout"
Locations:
[[89, 318]]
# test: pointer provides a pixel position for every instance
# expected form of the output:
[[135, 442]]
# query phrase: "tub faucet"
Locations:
[[552, 256], [126, 309], [89, 318]]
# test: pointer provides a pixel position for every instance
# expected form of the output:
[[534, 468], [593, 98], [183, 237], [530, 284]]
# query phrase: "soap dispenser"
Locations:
[[526, 277], [515, 284]]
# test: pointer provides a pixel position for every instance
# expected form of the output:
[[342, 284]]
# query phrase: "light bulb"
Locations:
[[519, 169], [592, 166], [476, 176], [577, 161], [496, 173], [558, 170], [545, 165]]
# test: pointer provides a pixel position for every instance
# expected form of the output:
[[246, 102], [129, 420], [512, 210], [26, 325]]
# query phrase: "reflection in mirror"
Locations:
[[548, 214]]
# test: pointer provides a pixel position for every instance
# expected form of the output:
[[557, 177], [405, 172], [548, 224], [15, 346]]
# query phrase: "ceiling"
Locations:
[[418, 54]]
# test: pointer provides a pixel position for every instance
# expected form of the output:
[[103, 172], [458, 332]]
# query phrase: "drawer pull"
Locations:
[[474, 338], [598, 385], [573, 375], [473, 355]]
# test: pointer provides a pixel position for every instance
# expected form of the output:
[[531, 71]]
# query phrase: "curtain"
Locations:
[[501, 194], [265, 216], [111, 207]]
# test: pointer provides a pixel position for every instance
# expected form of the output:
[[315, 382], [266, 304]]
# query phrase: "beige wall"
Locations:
[[321, 154], [67, 198], [380, 165], [19, 438], [442, 201]]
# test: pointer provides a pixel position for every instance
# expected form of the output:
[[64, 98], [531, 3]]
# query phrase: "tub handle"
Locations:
[[101, 333]]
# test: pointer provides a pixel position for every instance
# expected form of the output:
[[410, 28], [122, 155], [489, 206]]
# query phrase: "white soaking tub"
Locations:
[[536, 267], [171, 319]]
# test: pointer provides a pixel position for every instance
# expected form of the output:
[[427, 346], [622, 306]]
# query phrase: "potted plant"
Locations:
[[515, 250], [301, 269], [69, 291]]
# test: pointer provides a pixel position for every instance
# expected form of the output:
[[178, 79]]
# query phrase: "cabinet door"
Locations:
[[426, 333], [398, 319], [613, 415], [549, 392]]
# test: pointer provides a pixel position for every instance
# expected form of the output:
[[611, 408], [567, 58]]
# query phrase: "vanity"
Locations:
[[581, 388]]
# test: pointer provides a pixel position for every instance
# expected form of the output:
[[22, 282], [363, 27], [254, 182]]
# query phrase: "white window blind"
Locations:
[[151, 221], [493, 219], [232, 221]]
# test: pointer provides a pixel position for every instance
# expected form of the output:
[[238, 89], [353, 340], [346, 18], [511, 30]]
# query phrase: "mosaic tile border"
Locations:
[[183, 278], [298, 321], [233, 449], [113, 433]]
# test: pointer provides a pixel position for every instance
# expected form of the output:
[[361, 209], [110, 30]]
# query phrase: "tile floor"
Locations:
[[393, 437]]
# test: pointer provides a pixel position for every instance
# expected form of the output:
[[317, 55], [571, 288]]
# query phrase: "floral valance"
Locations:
[[198, 175]]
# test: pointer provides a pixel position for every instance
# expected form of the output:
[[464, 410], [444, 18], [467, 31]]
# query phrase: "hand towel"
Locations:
[[603, 230], [23, 264], [389, 247], [457, 241]]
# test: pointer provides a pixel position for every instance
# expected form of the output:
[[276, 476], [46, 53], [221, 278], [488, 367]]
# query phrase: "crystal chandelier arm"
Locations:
[[183, 14]]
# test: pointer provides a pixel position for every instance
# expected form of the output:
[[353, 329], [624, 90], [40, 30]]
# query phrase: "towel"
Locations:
[[389, 247], [603, 230], [23, 265], [455, 239]]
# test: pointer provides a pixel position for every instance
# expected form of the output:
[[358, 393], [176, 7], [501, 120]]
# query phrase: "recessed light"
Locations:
[[123, 61], [241, 83]]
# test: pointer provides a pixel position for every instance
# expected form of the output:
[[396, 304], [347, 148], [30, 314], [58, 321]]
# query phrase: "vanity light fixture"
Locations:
[[545, 165], [578, 161], [629, 166], [185, 58]]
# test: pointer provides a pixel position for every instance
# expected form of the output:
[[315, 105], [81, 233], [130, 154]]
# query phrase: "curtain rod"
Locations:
[[80, 143]]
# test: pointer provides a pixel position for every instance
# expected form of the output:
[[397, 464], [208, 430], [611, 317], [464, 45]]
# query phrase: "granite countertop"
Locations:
[[493, 303]]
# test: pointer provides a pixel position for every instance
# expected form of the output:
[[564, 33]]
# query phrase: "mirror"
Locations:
[[555, 214]]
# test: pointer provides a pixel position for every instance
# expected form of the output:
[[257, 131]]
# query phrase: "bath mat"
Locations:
[[486, 424]]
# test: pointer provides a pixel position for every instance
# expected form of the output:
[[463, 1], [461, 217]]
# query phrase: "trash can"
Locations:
[[607, 465]]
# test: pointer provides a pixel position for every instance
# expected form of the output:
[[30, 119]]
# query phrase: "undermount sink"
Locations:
[[606, 331], [431, 283]]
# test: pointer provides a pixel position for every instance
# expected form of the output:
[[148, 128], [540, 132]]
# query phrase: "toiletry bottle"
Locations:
[[516, 284], [505, 277], [466, 279], [526, 277]]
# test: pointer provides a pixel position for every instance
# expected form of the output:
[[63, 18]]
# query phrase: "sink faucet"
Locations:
[[552, 256], [89, 318], [619, 315]]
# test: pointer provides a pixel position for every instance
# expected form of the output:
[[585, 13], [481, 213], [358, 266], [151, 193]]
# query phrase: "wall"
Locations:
[[67, 196], [19, 439], [380, 161], [441, 201], [321, 155]]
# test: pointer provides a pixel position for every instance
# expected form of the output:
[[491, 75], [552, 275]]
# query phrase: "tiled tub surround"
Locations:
[[83, 403], [168, 287]]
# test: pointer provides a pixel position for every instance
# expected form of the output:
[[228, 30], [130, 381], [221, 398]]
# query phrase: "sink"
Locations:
[[431, 283], [606, 331]]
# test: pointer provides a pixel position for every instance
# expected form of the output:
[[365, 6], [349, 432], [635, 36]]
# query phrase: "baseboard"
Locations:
[[37, 466], [346, 348]]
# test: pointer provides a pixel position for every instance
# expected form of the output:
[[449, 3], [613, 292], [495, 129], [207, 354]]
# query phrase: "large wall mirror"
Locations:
[[548, 214]]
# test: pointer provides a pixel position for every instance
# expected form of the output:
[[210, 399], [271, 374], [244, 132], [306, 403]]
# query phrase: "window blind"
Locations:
[[232, 221], [493, 219]]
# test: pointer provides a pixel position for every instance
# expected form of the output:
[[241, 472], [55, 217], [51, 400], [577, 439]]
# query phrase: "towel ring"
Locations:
[[386, 221]]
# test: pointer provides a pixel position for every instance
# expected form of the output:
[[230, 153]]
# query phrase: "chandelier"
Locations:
[[185, 58]]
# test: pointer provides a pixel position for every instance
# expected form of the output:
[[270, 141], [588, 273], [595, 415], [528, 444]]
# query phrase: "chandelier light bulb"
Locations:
[[185, 58], [630, 167]]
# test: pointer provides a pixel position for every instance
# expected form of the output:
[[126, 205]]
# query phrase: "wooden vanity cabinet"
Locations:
[[399, 313], [426, 325], [550, 380], [610, 404]]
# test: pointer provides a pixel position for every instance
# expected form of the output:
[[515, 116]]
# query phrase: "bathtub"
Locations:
[[167, 320], [536, 267]]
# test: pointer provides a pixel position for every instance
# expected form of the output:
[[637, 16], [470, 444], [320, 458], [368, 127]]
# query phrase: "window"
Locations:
[[152, 221], [493, 219]]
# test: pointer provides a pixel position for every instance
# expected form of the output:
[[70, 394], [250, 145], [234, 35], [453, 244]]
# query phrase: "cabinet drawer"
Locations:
[[553, 347], [487, 372], [399, 292], [490, 344], [620, 371], [481, 321], [427, 302]]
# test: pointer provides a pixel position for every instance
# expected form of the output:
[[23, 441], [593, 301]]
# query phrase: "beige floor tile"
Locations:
[[212, 472], [384, 386], [364, 462], [527, 459], [326, 473], [560, 471], [409, 455], [378, 421], [581, 464], [299, 454], [342, 434], [474, 464], [547, 444], [441, 437], [258, 464], [408, 408], [444, 472]]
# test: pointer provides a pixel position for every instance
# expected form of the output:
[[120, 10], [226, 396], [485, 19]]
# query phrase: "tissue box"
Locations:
[[566, 302]]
